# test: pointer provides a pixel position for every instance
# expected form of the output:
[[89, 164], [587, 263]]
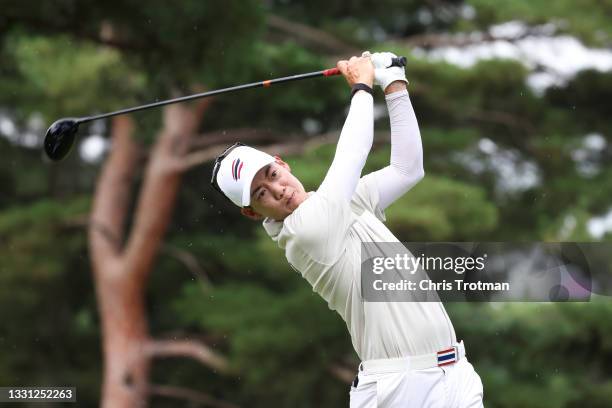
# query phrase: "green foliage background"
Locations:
[[278, 335]]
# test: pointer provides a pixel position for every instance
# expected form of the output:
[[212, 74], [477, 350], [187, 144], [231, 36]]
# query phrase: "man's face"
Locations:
[[275, 192]]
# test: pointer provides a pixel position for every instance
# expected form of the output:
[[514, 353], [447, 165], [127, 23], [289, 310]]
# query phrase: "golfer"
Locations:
[[410, 355]]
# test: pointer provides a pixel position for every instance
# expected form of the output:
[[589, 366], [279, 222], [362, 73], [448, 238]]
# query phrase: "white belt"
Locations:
[[441, 358]]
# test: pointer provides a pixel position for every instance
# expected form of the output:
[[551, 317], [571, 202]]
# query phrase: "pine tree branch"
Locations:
[[63, 26], [287, 148], [189, 260], [188, 348], [310, 35], [438, 40], [196, 397], [341, 373], [228, 136]]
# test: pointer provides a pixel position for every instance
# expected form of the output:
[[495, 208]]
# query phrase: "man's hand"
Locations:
[[384, 73], [357, 70]]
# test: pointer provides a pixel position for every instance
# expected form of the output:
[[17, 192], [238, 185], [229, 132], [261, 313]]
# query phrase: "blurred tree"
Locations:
[[480, 126], [589, 20], [122, 262], [121, 272]]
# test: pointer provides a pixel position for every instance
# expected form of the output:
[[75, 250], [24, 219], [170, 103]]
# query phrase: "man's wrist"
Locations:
[[360, 86], [395, 86], [366, 82]]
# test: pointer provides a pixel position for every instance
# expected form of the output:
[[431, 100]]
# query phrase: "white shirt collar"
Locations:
[[272, 227]]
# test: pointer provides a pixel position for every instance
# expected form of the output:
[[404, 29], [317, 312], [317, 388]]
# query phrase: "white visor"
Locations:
[[237, 170]]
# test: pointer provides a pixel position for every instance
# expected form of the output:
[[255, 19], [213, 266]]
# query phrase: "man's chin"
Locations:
[[290, 210], [281, 217]]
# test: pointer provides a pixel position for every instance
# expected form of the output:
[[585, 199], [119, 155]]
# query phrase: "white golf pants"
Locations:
[[452, 386]]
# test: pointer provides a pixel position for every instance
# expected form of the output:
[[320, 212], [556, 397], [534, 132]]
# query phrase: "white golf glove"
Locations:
[[384, 73]]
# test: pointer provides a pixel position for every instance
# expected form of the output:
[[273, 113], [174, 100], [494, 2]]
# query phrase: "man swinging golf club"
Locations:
[[410, 355]]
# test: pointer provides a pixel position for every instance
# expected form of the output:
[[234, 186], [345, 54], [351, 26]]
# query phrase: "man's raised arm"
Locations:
[[357, 133], [406, 163]]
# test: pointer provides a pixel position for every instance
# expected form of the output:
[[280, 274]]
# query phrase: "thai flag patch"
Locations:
[[446, 357], [236, 169]]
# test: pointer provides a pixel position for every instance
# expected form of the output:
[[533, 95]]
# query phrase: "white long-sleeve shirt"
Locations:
[[406, 164], [322, 238]]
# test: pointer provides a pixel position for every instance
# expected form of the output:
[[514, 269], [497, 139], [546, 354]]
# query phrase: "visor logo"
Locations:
[[237, 169]]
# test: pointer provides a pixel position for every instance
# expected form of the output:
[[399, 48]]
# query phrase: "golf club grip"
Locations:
[[395, 62], [331, 71]]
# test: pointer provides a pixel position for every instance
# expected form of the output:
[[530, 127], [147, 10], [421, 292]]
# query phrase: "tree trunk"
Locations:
[[122, 261], [124, 325]]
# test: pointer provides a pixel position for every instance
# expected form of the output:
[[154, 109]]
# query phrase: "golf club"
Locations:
[[62, 133]]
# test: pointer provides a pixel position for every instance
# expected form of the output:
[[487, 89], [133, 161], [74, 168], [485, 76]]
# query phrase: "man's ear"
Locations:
[[252, 214], [282, 163]]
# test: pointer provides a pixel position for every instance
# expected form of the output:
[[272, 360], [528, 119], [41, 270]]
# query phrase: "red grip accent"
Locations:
[[331, 71]]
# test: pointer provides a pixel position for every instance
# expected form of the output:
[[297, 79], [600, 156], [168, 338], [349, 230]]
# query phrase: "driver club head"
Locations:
[[60, 137]]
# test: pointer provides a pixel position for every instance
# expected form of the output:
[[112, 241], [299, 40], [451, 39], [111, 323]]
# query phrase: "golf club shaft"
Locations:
[[62, 133], [259, 84]]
